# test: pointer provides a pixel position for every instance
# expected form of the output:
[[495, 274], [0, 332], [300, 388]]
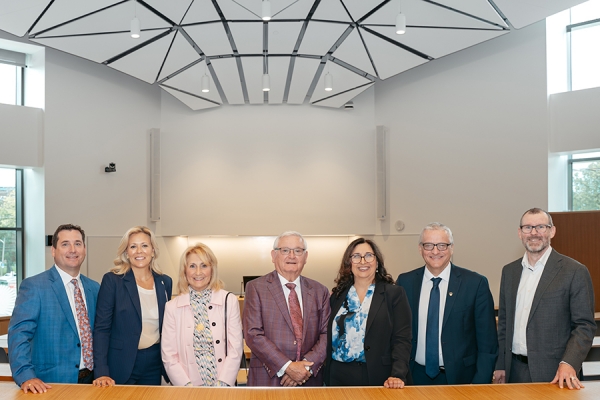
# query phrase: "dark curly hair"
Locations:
[[345, 278]]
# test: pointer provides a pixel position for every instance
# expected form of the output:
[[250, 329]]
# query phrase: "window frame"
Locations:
[[18, 228], [569, 28]]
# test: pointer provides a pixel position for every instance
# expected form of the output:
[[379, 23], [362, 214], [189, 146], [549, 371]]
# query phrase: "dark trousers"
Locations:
[[519, 372], [147, 368], [420, 377], [348, 374]]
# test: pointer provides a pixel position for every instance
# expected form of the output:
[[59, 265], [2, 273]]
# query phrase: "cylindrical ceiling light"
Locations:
[[400, 24], [328, 82], [266, 81], [205, 83], [135, 28], [266, 10]]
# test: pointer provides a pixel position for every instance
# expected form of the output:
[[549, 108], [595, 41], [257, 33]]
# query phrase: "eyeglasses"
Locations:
[[538, 228], [286, 251], [368, 257], [440, 246]]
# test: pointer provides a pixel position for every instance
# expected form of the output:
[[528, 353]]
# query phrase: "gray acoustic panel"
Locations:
[[192, 102], [175, 10], [390, 59], [359, 8], [113, 19], [248, 37], [479, 8], [353, 52], [240, 9], [299, 9], [283, 36], [211, 38], [340, 99], [17, 16], [343, 80], [180, 55], [438, 42], [320, 37], [228, 74], [332, 11], [278, 71], [145, 63], [302, 77], [190, 81], [253, 72], [421, 13], [66, 10], [201, 11], [98, 48]]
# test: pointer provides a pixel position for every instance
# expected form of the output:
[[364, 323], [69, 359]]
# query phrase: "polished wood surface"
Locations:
[[577, 236], [4, 321], [9, 391]]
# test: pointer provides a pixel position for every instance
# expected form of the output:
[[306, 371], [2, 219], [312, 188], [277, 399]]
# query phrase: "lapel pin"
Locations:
[[450, 293]]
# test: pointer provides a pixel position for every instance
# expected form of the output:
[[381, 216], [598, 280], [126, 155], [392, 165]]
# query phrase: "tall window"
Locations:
[[584, 177], [11, 237], [12, 73], [583, 41]]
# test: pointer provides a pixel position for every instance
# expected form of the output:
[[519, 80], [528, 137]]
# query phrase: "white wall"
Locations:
[[94, 116], [21, 136], [261, 170], [468, 145]]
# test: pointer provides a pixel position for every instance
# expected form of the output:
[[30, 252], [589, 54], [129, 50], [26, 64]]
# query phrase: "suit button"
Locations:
[[210, 307], [214, 324], [295, 342], [78, 344], [218, 341], [220, 359], [77, 366], [367, 348]]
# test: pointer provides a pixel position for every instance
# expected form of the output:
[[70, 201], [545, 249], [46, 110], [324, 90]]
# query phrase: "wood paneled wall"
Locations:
[[578, 236]]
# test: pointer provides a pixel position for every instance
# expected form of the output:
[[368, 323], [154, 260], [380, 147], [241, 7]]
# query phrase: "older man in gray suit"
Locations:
[[546, 317]]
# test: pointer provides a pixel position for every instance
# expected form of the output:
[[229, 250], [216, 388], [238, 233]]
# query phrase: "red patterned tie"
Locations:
[[85, 331], [296, 314]]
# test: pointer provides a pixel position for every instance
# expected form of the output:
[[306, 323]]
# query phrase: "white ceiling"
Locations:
[[182, 40]]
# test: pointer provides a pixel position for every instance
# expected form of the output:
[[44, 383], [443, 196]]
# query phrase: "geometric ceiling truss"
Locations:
[[226, 40]]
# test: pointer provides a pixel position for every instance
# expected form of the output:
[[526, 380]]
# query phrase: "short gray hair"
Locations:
[[437, 226], [534, 211], [289, 233]]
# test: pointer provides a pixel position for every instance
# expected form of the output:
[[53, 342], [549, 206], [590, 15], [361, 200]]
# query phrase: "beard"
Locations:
[[540, 245]]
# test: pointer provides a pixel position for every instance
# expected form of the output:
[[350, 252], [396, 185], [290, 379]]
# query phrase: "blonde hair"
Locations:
[[208, 258], [122, 264]]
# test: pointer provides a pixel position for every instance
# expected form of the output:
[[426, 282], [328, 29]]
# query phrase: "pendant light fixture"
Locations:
[[205, 82], [266, 80], [400, 20], [266, 10], [135, 23], [328, 80]]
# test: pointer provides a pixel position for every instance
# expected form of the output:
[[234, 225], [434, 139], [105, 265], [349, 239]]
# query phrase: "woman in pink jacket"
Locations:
[[202, 330]]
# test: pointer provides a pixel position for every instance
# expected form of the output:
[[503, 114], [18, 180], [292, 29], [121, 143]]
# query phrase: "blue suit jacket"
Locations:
[[469, 336], [43, 341], [119, 323]]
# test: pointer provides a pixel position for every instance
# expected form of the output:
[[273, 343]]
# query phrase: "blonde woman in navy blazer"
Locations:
[[127, 333], [199, 281]]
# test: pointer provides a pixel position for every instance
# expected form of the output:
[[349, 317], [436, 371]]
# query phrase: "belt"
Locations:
[[84, 373], [520, 357]]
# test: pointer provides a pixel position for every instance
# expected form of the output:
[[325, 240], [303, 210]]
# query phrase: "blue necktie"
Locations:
[[432, 337]]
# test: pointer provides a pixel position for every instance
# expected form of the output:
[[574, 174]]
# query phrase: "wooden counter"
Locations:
[[9, 391]]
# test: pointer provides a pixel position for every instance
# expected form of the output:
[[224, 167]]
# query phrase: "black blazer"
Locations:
[[387, 337], [119, 323]]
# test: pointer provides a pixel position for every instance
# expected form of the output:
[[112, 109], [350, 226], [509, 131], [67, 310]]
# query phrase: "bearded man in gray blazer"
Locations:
[[546, 316]]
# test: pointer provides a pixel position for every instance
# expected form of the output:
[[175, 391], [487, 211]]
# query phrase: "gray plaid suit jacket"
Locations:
[[269, 333], [561, 324]]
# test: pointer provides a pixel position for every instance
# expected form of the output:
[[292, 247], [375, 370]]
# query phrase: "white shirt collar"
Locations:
[[284, 281], [540, 263], [66, 278], [445, 274]]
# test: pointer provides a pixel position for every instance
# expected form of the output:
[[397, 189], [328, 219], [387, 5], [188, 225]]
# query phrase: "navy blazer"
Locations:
[[43, 341], [119, 323], [387, 334], [469, 336]]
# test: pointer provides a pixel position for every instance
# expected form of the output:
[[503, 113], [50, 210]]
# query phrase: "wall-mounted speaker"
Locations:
[[380, 145], [154, 174]]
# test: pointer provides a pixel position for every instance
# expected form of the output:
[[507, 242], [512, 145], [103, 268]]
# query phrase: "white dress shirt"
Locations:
[[70, 289], [150, 324], [530, 277], [424, 308]]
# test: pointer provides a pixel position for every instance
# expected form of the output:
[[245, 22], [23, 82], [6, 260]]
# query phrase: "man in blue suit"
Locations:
[[454, 326], [52, 311]]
